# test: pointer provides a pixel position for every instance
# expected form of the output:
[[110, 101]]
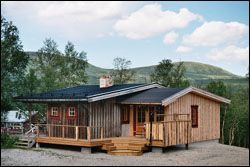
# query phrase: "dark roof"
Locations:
[[154, 95], [79, 92]]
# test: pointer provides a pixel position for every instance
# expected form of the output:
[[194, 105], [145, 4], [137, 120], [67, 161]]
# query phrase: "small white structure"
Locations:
[[14, 121]]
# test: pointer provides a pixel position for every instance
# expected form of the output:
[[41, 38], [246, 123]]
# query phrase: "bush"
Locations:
[[8, 141]]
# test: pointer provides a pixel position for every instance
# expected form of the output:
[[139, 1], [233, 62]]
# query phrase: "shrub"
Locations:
[[8, 141]]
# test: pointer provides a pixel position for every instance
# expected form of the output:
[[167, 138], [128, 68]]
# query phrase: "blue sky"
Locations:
[[215, 33]]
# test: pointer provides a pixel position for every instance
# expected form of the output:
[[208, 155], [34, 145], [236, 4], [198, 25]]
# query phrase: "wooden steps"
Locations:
[[25, 142], [129, 147]]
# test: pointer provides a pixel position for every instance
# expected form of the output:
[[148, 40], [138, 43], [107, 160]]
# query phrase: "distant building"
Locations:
[[16, 121]]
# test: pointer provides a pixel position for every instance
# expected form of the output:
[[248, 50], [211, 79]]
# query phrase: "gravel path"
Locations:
[[201, 153]]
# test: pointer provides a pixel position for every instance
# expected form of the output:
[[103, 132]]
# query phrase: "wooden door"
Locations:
[[140, 115]]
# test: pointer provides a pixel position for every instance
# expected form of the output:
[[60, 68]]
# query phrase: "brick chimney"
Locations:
[[105, 81]]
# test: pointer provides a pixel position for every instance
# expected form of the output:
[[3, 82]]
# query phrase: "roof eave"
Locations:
[[48, 100]]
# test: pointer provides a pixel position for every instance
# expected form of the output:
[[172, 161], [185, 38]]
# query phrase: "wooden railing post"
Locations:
[[77, 132], [88, 133], [101, 132], [49, 130], [63, 131]]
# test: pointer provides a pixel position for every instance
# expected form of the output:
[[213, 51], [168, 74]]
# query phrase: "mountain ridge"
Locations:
[[195, 71]]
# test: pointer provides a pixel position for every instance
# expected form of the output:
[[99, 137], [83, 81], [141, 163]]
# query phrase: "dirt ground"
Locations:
[[202, 154]]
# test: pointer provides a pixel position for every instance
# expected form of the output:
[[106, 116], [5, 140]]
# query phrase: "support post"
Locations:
[[150, 138], [89, 133], [37, 145], [77, 133], [49, 130], [101, 132], [63, 131], [163, 150]]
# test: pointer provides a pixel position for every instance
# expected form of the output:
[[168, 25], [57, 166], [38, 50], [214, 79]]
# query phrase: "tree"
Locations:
[[31, 82], [73, 66], [57, 70], [121, 73], [220, 89], [13, 63], [169, 75], [48, 66], [178, 72]]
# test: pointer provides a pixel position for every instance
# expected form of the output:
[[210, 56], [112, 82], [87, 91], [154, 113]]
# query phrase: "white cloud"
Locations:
[[170, 37], [151, 20], [183, 49], [71, 19], [230, 53], [216, 32]]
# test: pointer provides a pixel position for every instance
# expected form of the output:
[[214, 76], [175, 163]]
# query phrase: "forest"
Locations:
[[50, 69]]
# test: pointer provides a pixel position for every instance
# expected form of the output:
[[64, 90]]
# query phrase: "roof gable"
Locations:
[[201, 92]]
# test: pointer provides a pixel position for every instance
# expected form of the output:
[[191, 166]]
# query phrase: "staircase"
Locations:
[[27, 140], [125, 146]]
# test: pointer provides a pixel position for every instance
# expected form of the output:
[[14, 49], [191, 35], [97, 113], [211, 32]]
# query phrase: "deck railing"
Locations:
[[176, 130], [70, 131]]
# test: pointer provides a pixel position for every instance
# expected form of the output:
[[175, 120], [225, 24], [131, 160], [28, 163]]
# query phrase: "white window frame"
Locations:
[[54, 111], [74, 111]]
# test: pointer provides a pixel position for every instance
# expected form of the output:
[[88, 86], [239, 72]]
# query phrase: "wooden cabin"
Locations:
[[127, 119]]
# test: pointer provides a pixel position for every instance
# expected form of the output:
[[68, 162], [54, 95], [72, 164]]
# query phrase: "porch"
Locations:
[[155, 134], [83, 136]]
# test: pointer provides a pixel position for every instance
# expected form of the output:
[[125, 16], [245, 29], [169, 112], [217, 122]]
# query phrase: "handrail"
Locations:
[[76, 132], [31, 130], [69, 125]]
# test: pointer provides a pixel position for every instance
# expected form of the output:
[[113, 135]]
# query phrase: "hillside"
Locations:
[[196, 73]]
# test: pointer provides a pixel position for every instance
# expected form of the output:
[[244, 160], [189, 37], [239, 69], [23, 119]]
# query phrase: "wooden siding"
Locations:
[[106, 114], [62, 119], [208, 115]]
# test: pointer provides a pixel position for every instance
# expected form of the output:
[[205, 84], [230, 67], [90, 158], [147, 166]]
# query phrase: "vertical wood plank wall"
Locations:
[[98, 114], [208, 115], [105, 114], [81, 120]]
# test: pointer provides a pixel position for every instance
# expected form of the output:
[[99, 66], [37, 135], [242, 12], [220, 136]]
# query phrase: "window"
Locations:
[[141, 114], [160, 113], [54, 111], [72, 112], [194, 116], [125, 114]]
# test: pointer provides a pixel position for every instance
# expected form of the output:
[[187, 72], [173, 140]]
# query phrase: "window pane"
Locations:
[[160, 111], [194, 116], [54, 111], [125, 114], [141, 114], [72, 111]]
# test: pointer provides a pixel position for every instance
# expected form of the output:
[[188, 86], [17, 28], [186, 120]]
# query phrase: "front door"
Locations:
[[140, 118]]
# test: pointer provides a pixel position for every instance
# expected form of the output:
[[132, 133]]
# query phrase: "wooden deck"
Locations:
[[85, 143]]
